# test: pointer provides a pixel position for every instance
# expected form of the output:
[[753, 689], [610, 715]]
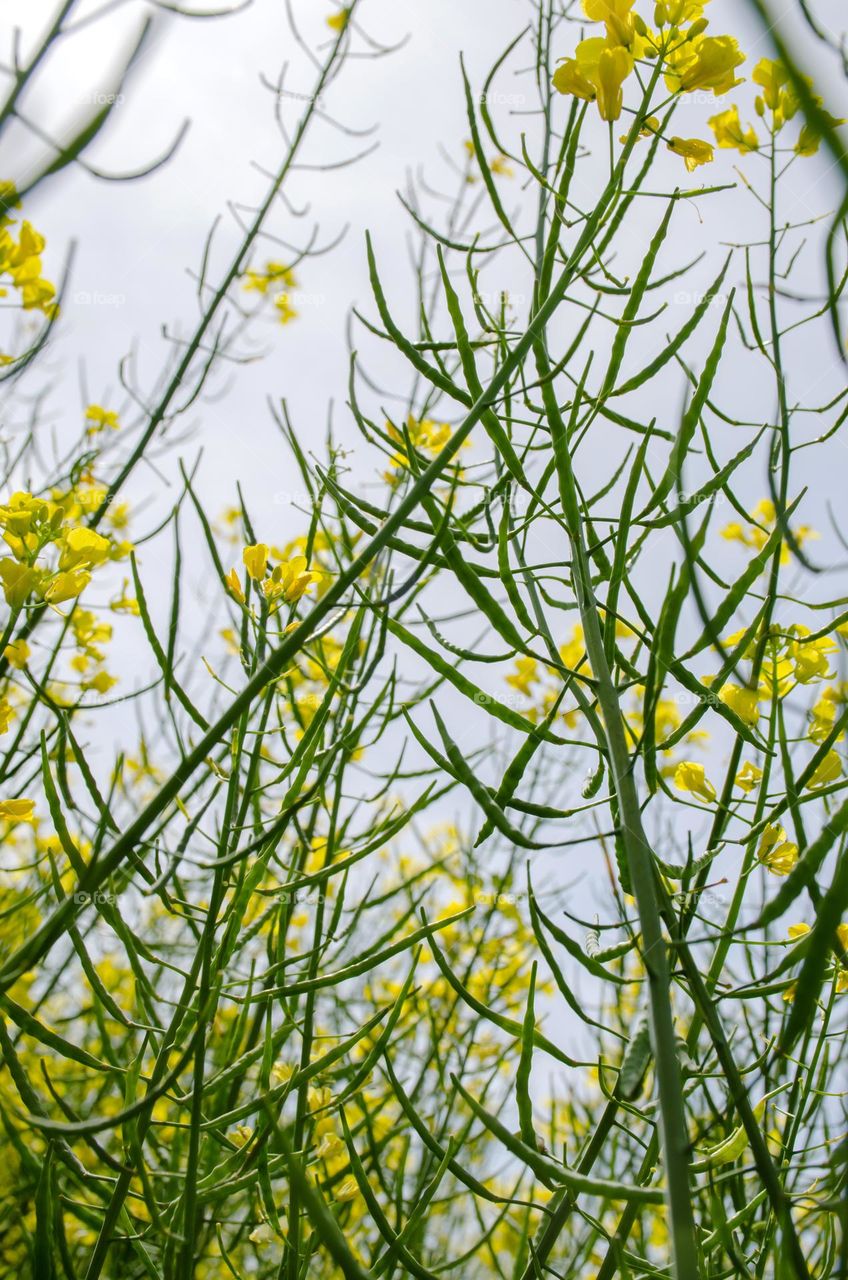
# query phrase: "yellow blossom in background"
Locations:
[[756, 536], [749, 777], [526, 674], [125, 603], [261, 1235], [810, 658], [500, 164], [285, 311], [830, 770], [427, 437], [17, 653], [102, 682], [692, 151], [776, 852], [691, 776], [17, 810], [730, 134], [743, 701], [338, 21], [20, 265], [650, 126], [275, 281], [809, 139], [19, 581], [276, 274], [824, 713], [347, 1189], [98, 419]]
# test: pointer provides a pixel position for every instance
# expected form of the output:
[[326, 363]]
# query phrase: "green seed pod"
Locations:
[[636, 1060], [592, 785]]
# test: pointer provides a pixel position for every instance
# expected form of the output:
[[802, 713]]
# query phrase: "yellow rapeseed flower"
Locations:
[[18, 811], [708, 62], [338, 21], [830, 770], [691, 776], [17, 653], [693, 152], [83, 547], [729, 132], [255, 560], [776, 852], [66, 586], [749, 777]]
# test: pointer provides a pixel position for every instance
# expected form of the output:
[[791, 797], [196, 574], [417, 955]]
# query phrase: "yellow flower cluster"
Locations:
[[20, 259], [32, 526], [796, 931], [427, 437], [776, 852], [763, 522], [691, 61], [286, 581], [275, 281], [498, 164], [97, 419], [541, 683]]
